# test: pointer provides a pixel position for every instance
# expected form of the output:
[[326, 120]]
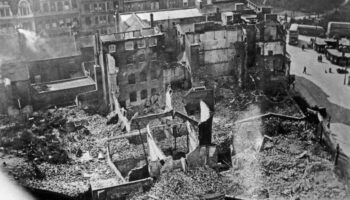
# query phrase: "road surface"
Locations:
[[323, 89]]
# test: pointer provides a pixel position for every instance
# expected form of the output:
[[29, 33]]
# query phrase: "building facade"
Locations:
[[272, 63], [214, 50], [57, 17], [132, 66], [97, 15], [154, 5], [54, 18]]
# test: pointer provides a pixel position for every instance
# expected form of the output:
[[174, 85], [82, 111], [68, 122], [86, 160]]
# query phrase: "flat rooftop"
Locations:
[[63, 84], [165, 15]]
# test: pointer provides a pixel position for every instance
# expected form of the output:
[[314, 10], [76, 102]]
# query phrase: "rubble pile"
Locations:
[[184, 185], [122, 149], [290, 164], [295, 168], [62, 146], [285, 107]]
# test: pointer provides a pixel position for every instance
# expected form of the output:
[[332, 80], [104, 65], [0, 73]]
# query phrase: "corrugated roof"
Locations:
[[165, 15]]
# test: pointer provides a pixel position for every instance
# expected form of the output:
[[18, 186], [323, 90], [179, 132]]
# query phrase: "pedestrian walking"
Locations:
[[304, 71]]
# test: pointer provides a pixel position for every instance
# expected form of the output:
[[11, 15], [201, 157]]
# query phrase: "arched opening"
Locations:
[[24, 8]]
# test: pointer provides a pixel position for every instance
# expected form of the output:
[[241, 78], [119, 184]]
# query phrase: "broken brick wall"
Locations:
[[93, 99], [177, 75], [140, 71], [216, 53], [273, 74]]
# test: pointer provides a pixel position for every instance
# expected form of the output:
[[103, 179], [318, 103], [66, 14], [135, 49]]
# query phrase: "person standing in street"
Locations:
[[304, 71]]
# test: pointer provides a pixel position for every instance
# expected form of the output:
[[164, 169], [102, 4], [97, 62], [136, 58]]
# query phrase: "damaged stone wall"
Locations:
[[177, 75], [215, 53], [139, 71]]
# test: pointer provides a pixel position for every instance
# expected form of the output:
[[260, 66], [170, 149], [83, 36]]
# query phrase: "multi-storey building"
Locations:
[[132, 66], [57, 17], [271, 61], [15, 13], [214, 50], [46, 17], [97, 15], [153, 5]]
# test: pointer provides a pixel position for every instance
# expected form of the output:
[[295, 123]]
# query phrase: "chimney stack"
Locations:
[[152, 20], [21, 43], [117, 18]]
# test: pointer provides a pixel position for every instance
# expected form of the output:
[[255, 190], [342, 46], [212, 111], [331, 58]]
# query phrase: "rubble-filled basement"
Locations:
[[264, 149]]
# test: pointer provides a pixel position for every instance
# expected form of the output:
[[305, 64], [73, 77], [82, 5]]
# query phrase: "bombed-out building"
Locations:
[[215, 50], [132, 65], [271, 62], [42, 71]]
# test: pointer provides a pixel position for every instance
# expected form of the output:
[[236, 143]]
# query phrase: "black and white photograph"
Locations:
[[174, 99]]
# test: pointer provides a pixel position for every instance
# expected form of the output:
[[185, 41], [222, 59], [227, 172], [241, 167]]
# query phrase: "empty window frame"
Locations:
[[141, 58], [130, 59], [141, 44], [153, 91], [144, 94], [131, 79], [129, 45], [152, 42], [143, 76], [133, 96]]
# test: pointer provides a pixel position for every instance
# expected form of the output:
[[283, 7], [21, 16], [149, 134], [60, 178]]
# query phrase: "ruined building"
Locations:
[[272, 62], [42, 71], [131, 64], [214, 50]]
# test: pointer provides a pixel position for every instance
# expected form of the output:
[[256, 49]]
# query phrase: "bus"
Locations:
[[293, 34], [310, 30]]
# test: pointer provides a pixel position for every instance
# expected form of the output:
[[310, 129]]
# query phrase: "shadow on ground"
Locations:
[[314, 95]]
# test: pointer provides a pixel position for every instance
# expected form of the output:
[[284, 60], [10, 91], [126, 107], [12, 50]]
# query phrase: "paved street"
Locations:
[[323, 89]]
